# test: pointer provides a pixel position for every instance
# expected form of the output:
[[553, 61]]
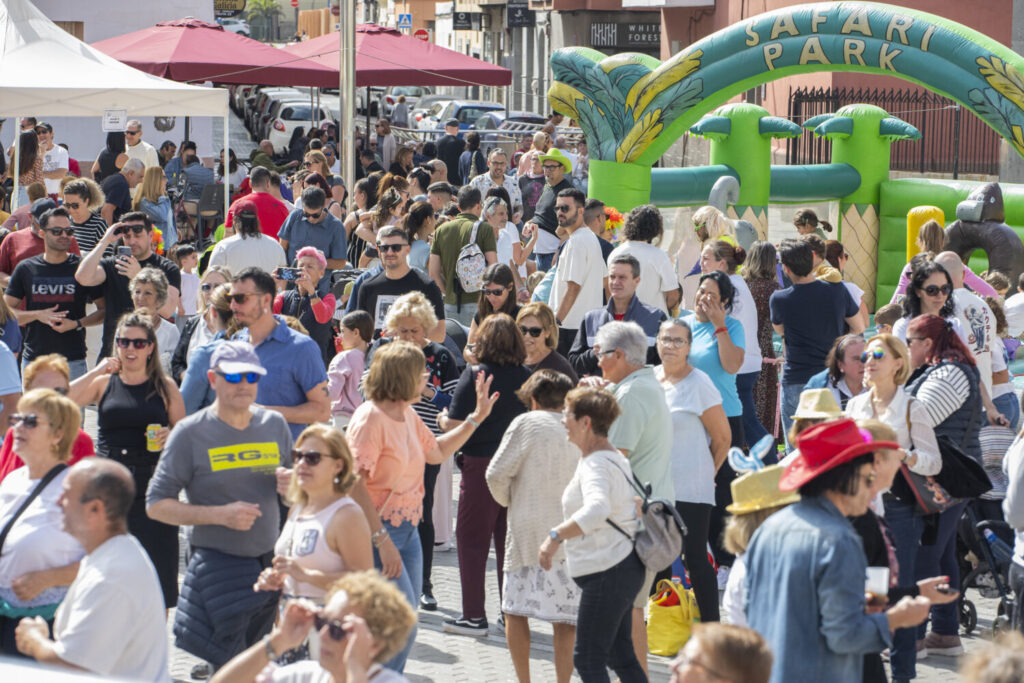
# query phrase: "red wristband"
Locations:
[[721, 329]]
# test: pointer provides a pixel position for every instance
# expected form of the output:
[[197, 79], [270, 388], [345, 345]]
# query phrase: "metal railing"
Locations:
[[953, 140]]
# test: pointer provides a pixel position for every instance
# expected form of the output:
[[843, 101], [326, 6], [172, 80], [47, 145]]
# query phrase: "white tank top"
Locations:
[[304, 538]]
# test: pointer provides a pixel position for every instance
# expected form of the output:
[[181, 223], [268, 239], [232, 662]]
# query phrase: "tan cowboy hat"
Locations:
[[818, 404], [759, 490]]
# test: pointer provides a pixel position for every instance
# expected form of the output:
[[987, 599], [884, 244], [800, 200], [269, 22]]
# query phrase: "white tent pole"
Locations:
[[227, 167], [17, 162]]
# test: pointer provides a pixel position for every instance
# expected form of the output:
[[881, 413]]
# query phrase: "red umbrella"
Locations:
[[190, 50], [385, 57]]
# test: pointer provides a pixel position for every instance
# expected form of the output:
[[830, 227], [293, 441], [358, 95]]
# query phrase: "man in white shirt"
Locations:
[[579, 271], [136, 147], [111, 622], [56, 159]]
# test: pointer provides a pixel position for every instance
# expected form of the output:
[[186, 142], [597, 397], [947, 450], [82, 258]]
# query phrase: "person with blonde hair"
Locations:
[[199, 329], [391, 445], [40, 559], [316, 162], [365, 622], [149, 293], [151, 198]]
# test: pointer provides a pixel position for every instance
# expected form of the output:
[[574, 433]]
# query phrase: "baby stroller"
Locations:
[[990, 575]]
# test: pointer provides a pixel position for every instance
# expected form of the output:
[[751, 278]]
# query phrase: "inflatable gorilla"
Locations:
[[980, 225]]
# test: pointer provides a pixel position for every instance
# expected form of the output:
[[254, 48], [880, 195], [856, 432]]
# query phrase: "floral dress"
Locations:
[[767, 387]]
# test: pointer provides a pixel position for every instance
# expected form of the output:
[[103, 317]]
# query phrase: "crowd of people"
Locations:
[[286, 407]]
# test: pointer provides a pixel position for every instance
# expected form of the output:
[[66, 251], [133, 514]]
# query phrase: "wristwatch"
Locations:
[[269, 650], [553, 535]]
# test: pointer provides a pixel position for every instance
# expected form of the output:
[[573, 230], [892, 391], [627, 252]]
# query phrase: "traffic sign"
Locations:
[[336, 10], [422, 33], [404, 21], [295, 3]]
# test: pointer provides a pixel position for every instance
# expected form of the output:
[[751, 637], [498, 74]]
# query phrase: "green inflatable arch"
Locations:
[[633, 107]]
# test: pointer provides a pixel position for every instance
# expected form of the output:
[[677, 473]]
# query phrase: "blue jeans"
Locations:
[[407, 539], [604, 623], [1008, 405], [464, 314], [753, 430], [544, 260], [940, 560], [906, 528], [790, 401]]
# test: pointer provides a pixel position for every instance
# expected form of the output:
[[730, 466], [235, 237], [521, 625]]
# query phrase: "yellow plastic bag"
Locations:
[[672, 613]]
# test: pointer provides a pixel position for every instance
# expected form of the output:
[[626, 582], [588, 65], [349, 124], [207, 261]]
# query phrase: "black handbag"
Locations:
[[961, 475], [924, 492]]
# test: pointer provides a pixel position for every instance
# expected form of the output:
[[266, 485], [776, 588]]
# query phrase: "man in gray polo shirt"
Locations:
[[228, 458]]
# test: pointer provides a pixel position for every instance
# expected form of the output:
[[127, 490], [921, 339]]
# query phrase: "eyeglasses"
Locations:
[[334, 628], [932, 290], [312, 458], [236, 377], [562, 208], [136, 229], [495, 292], [30, 420], [125, 342], [534, 332], [604, 353], [239, 298], [57, 232], [313, 216], [673, 342], [72, 205], [877, 354], [384, 248]]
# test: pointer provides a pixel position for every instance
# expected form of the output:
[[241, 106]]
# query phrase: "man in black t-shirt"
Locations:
[[449, 149], [113, 274], [380, 291], [54, 314], [117, 189]]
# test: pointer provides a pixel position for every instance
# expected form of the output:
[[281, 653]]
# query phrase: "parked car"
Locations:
[[494, 121], [288, 117], [430, 118], [239, 26], [467, 112], [389, 98], [238, 95], [375, 94], [255, 112]]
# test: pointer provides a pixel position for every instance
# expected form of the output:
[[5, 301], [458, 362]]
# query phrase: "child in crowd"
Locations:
[[999, 282], [186, 258], [346, 368], [886, 317]]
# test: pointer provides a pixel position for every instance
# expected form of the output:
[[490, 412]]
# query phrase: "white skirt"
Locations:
[[534, 593]]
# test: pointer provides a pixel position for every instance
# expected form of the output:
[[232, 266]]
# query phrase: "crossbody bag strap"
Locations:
[[974, 413], [634, 483], [910, 433], [47, 478]]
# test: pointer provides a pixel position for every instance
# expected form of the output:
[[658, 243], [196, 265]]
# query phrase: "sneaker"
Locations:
[[922, 651], [466, 627], [201, 672], [500, 623], [723, 577], [948, 646], [427, 601]]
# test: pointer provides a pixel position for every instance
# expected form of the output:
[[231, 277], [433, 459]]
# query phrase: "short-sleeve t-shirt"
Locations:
[[119, 193], [693, 466], [393, 455], [119, 299], [449, 240], [704, 357], [644, 431], [377, 294], [328, 235], [813, 315], [42, 285], [581, 262], [484, 441]]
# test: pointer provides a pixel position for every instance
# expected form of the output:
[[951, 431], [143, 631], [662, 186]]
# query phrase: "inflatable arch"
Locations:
[[633, 107]]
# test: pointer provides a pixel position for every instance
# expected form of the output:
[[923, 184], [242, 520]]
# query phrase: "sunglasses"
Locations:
[[239, 298], [334, 628], [72, 205], [307, 164], [312, 216], [125, 342], [563, 208], [137, 229], [312, 458], [30, 420], [206, 287], [551, 167], [932, 290], [236, 377], [384, 248], [534, 332], [877, 354], [132, 132], [495, 292], [57, 232]]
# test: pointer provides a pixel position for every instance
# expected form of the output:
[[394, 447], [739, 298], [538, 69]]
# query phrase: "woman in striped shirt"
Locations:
[[83, 199]]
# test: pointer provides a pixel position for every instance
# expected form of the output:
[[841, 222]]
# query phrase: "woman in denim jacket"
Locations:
[[806, 567]]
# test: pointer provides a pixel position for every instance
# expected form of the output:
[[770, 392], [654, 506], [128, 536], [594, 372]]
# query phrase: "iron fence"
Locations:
[[953, 139]]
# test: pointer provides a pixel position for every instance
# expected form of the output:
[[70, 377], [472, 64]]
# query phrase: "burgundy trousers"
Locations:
[[479, 519]]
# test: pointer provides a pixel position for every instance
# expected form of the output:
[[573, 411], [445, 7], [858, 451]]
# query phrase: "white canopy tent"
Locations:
[[45, 71]]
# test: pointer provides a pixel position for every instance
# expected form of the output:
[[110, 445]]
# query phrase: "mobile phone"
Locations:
[[948, 590], [290, 274], [124, 252]]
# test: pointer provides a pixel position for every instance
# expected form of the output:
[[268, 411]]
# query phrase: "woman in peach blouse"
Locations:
[[391, 445]]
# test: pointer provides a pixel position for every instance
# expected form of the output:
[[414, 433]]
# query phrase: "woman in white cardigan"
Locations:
[[528, 473], [886, 368]]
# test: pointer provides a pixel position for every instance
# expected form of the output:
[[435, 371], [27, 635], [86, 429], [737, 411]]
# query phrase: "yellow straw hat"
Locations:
[[818, 404], [759, 490]]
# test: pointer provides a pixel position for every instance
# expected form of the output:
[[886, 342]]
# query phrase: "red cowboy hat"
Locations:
[[826, 446]]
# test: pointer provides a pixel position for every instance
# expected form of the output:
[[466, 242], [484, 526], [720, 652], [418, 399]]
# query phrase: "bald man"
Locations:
[[111, 623]]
